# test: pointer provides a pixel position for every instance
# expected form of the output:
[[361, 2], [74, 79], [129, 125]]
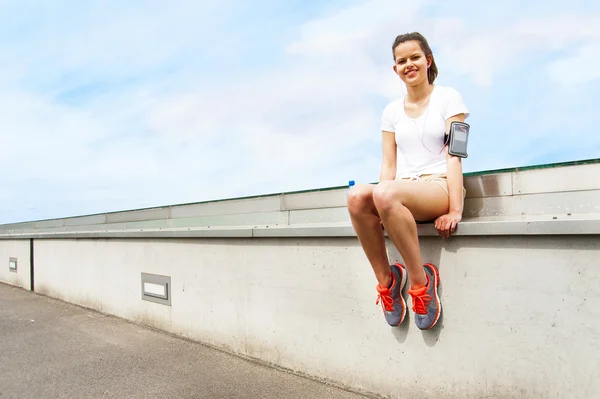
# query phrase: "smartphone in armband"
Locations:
[[459, 137]]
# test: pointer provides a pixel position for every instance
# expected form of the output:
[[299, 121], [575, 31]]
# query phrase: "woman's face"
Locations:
[[411, 63]]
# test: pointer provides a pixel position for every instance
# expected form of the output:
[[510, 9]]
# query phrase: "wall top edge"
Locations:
[[470, 178]]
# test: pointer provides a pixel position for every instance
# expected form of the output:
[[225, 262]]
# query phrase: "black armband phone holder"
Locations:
[[457, 139]]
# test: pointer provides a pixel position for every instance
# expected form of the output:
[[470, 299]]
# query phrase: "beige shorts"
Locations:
[[439, 179]]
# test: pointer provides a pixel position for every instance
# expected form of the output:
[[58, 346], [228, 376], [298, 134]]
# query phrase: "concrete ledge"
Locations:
[[588, 224], [221, 232], [540, 201], [545, 225]]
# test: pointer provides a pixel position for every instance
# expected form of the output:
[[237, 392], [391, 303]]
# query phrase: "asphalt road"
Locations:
[[51, 349]]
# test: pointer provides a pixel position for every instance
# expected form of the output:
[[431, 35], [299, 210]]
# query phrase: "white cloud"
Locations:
[[509, 45], [353, 30], [479, 51]]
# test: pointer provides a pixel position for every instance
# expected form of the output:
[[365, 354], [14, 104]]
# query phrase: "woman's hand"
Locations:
[[446, 224]]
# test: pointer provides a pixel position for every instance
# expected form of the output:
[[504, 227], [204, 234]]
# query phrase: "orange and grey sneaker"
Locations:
[[392, 302], [425, 300]]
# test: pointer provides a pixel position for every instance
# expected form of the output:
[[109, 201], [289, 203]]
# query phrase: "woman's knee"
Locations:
[[360, 199], [386, 195]]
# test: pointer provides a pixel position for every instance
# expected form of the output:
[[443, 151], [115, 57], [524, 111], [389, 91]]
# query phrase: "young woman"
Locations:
[[419, 181]]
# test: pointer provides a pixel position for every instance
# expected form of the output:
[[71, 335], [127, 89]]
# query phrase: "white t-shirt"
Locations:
[[412, 158]]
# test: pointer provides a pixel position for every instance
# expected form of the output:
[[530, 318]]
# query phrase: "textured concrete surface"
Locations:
[[511, 308], [20, 250], [51, 349]]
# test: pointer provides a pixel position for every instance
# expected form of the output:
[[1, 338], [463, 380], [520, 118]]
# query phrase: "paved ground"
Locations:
[[50, 349]]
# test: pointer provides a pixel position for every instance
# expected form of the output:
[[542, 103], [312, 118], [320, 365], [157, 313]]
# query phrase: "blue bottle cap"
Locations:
[[351, 183]]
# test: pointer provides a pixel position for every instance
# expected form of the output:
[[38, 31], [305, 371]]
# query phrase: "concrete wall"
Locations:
[[282, 278], [521, 314], [20, 250]]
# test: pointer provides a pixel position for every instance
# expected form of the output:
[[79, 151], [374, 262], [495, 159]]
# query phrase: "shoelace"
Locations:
[[420, 300], [385, 297]]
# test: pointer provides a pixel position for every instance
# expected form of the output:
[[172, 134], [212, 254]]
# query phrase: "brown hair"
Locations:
[[432, 72]]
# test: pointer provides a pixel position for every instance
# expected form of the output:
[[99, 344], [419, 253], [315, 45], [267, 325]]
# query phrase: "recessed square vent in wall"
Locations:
[[156, 288], [12, 264]]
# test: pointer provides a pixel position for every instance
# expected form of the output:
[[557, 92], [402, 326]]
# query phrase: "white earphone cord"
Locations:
[[419, 133]]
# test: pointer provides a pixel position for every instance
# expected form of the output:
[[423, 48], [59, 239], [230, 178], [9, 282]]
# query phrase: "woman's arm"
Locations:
[[455, 174], [446, 224], [388, 165]]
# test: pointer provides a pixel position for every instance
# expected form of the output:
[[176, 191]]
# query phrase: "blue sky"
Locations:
[[120, 105]]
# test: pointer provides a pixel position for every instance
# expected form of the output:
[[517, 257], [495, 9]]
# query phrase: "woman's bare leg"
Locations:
[[400, 204], [367, 225]]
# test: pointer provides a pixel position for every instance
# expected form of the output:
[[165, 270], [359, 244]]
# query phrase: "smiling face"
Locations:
[[411, 63]]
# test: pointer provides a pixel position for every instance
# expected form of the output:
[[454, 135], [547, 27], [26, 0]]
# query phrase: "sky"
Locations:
[[111, 105]]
